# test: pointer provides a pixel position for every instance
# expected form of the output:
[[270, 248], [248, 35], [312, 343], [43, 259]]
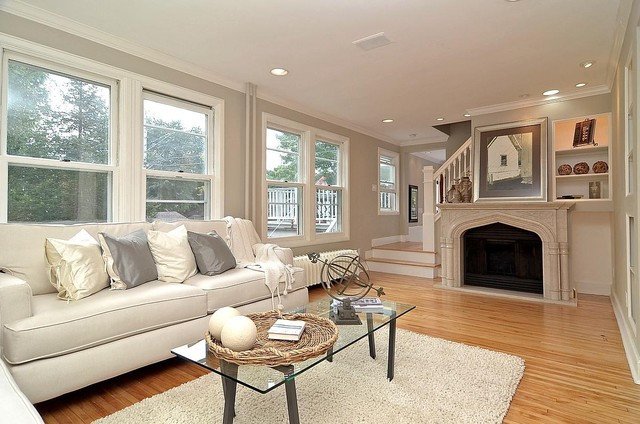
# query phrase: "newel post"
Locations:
[[428, 214]]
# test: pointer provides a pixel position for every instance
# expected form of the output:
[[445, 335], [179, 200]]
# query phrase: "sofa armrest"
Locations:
[[15, 300], [14, 405], [285, 255]]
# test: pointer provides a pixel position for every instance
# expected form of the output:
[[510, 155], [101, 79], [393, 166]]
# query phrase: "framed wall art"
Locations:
[[413, 203], [510, 161]]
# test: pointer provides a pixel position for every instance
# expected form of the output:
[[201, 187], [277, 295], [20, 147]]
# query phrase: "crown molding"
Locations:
[[36, 14], [622, 21], [501, 107], [270, 97]]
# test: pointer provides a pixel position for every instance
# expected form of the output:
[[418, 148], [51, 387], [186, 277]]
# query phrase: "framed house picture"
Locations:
[[510, 161], [413, 203], [584, 132]]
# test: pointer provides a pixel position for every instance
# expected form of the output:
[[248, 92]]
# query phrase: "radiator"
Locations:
[[311, 270]]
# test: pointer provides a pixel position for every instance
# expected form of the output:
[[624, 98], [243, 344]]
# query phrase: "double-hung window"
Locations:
[[305, 183], [388, 181], [57, 154], [178, 158], [285, 187]]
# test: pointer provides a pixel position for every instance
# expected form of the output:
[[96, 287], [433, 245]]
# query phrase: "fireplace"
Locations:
[[548, 221], [500, 256]]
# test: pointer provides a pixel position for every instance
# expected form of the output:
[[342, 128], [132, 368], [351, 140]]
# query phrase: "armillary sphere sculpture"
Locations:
[[346, 279]]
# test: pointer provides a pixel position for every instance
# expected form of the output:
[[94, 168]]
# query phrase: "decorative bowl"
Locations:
[[581, 168], [565, 169], [600, 167]]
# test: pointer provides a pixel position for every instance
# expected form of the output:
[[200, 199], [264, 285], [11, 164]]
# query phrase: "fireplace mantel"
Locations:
[[549, 220]]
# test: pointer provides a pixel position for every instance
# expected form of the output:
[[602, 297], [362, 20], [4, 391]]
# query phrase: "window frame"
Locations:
[[396, 158], [209, 175], [111, 168], [309, 136], [127, 191]]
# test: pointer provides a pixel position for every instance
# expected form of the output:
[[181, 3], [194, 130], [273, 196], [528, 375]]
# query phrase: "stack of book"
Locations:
[[284, 329], [366, 304]]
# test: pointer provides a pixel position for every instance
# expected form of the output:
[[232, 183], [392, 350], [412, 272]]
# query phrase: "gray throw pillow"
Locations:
[[212, 254], [130, 263]]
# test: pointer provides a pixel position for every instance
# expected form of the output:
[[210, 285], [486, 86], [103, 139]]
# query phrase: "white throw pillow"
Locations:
[[173, 256], [76, 268]]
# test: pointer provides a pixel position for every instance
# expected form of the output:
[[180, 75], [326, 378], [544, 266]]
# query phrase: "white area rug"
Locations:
[[436, 381]]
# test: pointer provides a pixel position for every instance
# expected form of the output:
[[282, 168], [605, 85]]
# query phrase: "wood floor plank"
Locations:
[[576, 370]]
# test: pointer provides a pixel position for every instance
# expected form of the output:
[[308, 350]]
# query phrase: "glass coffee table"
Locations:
[[264, 379]]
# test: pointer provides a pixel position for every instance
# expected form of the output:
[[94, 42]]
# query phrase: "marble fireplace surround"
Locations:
[[549, 220]]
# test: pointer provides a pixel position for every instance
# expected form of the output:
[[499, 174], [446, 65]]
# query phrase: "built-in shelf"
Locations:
[[591, 176], [563, 153]]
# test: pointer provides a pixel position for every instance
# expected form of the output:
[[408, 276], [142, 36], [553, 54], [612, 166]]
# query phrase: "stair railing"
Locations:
[[436, 184]]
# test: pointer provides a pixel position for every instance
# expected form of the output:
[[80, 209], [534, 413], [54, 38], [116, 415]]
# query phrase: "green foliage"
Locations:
[[55, 117]]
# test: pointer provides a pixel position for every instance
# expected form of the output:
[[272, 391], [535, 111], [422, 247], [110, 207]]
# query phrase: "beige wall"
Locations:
[[625, 205], [365, 222], [590, 232]]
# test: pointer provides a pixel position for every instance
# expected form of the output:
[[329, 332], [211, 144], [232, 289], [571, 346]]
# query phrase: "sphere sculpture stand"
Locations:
[[345, 279]]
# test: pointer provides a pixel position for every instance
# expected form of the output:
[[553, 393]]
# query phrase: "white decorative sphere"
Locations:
[[239, 333], [219, 319]]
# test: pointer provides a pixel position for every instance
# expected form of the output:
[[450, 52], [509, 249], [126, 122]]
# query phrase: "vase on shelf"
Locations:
[[453, 195]]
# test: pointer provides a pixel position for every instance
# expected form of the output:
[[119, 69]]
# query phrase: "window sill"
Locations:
[[388, 212]]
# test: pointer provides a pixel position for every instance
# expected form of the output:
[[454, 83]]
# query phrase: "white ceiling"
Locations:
[[435, 156], [446, 57]]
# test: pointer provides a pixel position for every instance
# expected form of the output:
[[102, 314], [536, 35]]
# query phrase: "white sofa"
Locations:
[[52, 346]]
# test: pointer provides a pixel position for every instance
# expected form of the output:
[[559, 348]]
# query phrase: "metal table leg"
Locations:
[[229, 388], [292, 398], [392, 347], [371, 336], [330, 355]]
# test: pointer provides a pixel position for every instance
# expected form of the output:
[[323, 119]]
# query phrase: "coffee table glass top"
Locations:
[[264, 379]]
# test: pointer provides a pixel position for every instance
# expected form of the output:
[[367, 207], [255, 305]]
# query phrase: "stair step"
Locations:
[[402, 262], [422, 257]]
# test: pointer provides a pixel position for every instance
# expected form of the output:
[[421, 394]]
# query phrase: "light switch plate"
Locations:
[[374, 187]]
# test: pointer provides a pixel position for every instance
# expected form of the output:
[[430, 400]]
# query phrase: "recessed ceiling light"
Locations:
[[524, 96], [466, 115], [581, 84], [387, 121], [550, 92], [439, 119], [588, 63], [279, 72]]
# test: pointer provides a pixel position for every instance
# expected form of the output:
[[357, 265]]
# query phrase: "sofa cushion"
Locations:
[[128, 259], [212, 254], [22, 247], [237, 287], [57, 328], [172, 255], [220, 226]]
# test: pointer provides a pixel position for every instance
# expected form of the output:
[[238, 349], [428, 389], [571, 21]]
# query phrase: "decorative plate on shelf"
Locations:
[[564, 169], [600, 167], [581, 168]]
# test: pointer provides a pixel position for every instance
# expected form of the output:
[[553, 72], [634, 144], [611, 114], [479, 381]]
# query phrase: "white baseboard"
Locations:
[[633, 356], [590, 287], [386, 240]]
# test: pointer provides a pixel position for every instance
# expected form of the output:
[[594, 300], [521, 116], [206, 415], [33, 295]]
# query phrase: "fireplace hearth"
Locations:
[[500, 256]]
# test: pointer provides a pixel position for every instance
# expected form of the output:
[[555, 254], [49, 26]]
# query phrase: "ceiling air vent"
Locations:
[[373, 41]]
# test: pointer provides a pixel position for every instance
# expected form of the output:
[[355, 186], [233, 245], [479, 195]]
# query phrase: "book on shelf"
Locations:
[[284, 329]]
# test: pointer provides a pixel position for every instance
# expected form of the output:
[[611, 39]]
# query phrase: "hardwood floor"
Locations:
[[579, 375]]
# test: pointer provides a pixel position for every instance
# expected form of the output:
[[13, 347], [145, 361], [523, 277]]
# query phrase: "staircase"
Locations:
[[422, 259], [404, 258]]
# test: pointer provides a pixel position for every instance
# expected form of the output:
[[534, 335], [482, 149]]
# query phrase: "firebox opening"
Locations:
[[503, 257]]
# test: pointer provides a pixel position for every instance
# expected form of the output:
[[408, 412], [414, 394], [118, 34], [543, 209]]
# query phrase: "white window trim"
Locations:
[[396, 157], [309, 135], [126, 158]]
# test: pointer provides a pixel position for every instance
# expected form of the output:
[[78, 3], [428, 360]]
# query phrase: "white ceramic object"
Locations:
[[239, 333], [219, 319]]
